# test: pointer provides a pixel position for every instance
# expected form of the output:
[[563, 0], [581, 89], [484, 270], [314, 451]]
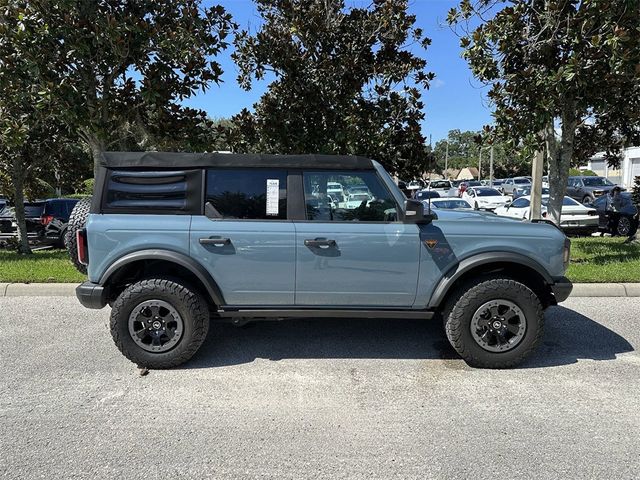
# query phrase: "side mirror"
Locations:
[[414, 212]]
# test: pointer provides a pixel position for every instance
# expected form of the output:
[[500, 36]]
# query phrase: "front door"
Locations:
[[244, 239], [354, 252]]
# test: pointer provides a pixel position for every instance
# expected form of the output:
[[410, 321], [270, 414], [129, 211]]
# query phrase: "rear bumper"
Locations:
[[91, 295], [562, 289]]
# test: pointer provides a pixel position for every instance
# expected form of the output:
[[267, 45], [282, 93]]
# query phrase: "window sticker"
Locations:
[[273, 196]]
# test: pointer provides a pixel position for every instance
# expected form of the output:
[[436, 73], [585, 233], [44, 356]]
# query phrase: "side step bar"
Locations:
[[244, 312]]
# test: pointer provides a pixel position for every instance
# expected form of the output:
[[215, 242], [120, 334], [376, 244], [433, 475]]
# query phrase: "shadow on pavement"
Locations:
[[569, 336]]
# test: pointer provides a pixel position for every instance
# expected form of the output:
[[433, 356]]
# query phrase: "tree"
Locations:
[[25, 129], [635, 198], [345, 82], [567, 65], [113, 67], [464, 151]]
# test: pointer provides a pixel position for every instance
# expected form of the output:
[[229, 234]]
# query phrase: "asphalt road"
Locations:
[[318, 399]]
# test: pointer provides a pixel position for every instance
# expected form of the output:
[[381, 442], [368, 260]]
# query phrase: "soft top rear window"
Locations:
[[159, 191]]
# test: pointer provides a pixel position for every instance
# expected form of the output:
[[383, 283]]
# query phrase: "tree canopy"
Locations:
[[344, 80], [113, 67], [564, 75]]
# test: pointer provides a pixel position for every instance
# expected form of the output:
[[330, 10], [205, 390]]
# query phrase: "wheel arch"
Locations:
[[514, 265], [142, 263]]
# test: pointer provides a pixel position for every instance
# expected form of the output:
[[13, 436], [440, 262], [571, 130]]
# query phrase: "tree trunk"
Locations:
[[17, 179], [559, 159], [96, 146]]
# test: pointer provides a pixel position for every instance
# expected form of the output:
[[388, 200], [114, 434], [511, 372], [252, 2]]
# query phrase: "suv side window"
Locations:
[[247, 193], [366, 197]]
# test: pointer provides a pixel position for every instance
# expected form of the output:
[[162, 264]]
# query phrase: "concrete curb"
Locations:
[[69, 289]]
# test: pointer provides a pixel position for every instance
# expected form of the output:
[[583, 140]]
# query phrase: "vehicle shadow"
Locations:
[[569, 336]]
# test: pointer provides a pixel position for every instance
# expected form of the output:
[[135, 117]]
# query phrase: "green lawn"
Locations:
[[46, 266], [603, 259], [593, 260]]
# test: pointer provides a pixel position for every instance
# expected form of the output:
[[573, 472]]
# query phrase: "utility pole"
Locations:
[[491, 168], [480, 165], [535, 212], [446, 162]]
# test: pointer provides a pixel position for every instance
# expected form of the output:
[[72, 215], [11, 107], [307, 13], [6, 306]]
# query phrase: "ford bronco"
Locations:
[[173, 241]]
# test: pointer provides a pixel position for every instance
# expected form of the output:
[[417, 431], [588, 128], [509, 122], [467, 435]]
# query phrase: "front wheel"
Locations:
[[159, 322], [496, 323], [586, 200]]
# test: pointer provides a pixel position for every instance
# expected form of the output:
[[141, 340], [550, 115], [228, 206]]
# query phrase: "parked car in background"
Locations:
[[510, 184], [497, 183], [545, 181], [444, 187], [524, 191], [575, 218], [464, 185], [55, 219], [46, 221], [415, 185], [355, 200], [484, 198], [426, 194], [587, 189], [618, 220], [449, 204], [337, 191]]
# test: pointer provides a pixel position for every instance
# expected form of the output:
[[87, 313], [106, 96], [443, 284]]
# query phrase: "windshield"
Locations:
[[566, 202], [488, 192], [473, 183], [521, 181], [596, 182], [440, 184], [450, 204]]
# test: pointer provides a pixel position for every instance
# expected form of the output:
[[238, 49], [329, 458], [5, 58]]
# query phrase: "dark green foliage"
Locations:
[[556, 63], [635, 192], [117, 70], [464, 151], [344, 82]]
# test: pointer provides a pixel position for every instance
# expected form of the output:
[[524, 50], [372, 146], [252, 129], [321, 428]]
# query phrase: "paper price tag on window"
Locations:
[[273, 196]]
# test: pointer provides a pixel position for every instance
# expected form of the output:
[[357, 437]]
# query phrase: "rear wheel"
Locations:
[[623, 228], [77, 221], [496, 323], [159, 322]]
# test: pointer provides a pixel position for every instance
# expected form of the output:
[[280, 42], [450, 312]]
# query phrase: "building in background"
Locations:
[[629, 167]]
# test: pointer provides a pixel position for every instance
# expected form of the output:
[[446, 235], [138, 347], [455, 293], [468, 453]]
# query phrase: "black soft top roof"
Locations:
[[199, 160]]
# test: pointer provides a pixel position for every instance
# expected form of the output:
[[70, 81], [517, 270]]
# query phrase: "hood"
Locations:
[[473, 215]]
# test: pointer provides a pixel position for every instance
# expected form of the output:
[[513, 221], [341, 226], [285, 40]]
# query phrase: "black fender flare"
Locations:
[[485, 258], [170, 256]]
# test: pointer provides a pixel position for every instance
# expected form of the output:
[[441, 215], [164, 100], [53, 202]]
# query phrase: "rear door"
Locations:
[[354, 255], [244, 238]]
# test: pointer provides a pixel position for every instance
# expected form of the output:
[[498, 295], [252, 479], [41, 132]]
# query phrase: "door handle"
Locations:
[[218, 242], [320, 242]]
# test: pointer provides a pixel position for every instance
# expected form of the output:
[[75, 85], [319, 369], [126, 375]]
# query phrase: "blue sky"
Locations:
[[455, 99]]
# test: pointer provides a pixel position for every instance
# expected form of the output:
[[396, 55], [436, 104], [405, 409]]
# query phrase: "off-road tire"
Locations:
[[77, 221], [190, 305], [466, 300]]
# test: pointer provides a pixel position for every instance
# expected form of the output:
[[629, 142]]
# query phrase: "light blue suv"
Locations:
[[173, 241]]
